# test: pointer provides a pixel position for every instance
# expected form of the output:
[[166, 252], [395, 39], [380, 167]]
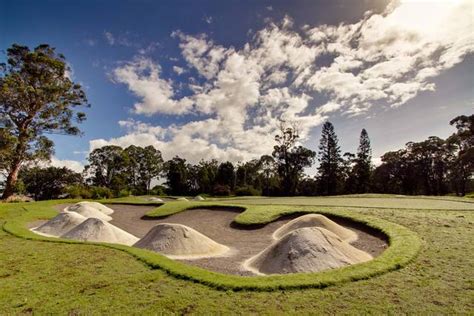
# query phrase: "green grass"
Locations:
[[94, 278]]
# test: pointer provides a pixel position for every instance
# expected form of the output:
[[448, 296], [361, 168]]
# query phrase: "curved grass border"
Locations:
[[404, 245]]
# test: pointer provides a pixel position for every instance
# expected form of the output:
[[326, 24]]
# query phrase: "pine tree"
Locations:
[[329, 157], [363, 164]]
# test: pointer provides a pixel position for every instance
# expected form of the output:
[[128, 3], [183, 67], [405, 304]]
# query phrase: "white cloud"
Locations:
[[178, 70], [240, 94], [109, 37], [142, 76], [71, 164], [208, 19]]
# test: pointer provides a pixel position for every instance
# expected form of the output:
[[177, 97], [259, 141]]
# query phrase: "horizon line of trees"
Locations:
[[434, 166]]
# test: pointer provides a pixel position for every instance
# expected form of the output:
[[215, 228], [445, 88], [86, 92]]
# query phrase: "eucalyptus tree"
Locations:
[[143, 164], [107, 166], [37, 97], [290, 158], [462, 145], [177, 175]]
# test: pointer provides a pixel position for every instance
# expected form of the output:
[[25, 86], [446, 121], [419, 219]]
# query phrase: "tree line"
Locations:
[[430, 167], [37, 98]]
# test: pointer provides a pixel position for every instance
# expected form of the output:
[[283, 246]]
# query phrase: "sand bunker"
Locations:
[[155, 199], [309, 249], [182, 199], [198, 198], [180, 242], [60, 224], [316, 220], [88, 211], [100, 207], [94, 229]]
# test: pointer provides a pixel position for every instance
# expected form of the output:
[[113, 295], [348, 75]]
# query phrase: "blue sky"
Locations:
[[211, 79]]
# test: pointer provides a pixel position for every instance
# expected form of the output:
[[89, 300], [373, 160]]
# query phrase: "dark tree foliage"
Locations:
[[363, 165], [269, 178], [330, 160], [290, 159], [36, 98], [48, 183], [177, 175], [226, 175], [461, 145], [204, 176], [107, 166], [143, 164]]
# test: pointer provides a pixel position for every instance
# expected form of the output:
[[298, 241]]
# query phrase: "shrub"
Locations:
[[247, 190], [221, 190], [158, 190], [123, 193], [101, 193], [78, 191]]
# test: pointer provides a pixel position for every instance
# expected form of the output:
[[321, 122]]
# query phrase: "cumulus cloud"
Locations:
[[238, 96], [178, 70], [142, 76], [71, 164]]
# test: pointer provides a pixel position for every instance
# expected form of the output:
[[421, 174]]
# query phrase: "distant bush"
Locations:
[[221, 190], [247, 190], [78, 191], [158, 190], [124, 193], [101, 192]]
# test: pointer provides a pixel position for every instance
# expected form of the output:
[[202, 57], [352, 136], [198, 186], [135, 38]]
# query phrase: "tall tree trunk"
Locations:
[[16, 164], [12, 178]]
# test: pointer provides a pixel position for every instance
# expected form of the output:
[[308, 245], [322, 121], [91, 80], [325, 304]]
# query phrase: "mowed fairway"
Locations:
[[43, 277]]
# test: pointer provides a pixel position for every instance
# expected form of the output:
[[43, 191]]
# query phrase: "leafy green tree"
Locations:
[[290, 159], [270, 181], [247, 174], [347, 173], [462, 146], [36, 98], [205, 174], [48, 183], [363, 164], [329, 156], [226, 175], [143, 165], [177, 175], [429, 160], [107, 166]]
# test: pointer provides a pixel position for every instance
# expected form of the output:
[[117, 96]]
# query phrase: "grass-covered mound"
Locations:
[[68, 278]]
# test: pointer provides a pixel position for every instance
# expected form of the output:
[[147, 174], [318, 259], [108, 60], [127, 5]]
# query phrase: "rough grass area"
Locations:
[[43, 277]]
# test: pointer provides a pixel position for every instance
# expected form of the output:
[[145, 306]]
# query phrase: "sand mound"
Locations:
[[316, 220], [198, 198], [88, 211], [104, 209], [155, 199], [94, 229], [182, 199], [308, 249], [60, 224], [180, 242]]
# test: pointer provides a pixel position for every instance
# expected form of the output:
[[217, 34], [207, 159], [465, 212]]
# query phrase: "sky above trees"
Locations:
[[211, 79]]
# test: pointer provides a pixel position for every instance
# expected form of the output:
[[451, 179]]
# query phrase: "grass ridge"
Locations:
[[404, 245]]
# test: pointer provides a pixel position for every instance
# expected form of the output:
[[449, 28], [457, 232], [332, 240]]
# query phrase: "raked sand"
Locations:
[[316, 220], [308, 249], [180, 242]]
